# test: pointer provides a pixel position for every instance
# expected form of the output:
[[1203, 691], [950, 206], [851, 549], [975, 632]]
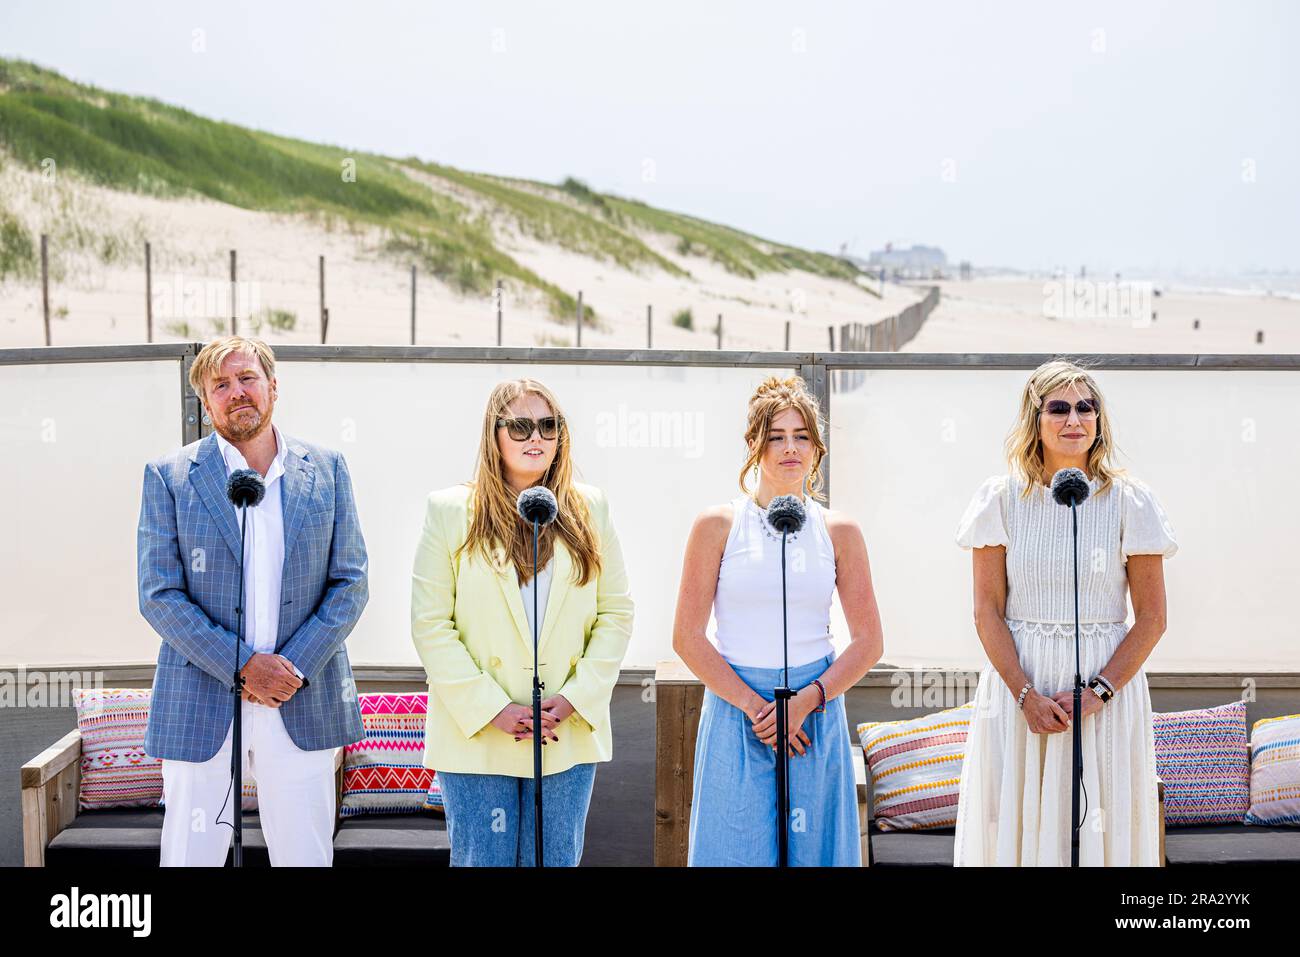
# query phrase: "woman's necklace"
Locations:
[[768, 530]]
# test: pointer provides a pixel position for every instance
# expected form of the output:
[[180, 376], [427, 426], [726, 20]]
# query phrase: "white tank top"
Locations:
[[747, 604]]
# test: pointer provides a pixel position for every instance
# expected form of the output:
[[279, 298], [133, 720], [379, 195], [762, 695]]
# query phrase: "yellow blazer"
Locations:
[[469, 627]]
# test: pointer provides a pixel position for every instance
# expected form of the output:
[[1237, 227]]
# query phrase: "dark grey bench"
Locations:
[[56, 833]]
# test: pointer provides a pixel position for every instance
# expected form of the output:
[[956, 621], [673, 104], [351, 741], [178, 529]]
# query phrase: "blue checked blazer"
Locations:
[[187, 548]]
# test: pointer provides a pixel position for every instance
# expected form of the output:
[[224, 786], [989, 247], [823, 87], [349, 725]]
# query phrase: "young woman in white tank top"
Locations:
[[748, 596], [732, 567]]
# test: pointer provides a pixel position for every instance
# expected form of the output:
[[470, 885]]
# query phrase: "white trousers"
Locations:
[[295, 798]]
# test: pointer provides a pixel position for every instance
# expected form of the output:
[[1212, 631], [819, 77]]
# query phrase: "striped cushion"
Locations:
[[1203, 759], [916, 768], [1275, 771], [115, 771], [384, 772]]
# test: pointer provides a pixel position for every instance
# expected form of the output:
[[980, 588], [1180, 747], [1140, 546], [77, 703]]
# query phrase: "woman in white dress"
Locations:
[[1014, 807]]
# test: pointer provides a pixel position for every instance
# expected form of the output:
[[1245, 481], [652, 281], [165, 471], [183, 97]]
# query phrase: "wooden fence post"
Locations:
[[234, 325], [45, 283], [148, 293]]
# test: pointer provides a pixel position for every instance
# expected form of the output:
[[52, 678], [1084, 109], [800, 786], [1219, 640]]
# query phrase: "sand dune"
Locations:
[[368, 292]]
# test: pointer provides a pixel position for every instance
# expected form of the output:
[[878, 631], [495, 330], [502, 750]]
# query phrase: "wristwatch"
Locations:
[[1098, 687]]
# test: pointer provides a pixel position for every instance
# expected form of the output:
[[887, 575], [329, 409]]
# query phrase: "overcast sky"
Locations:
[[1117, 135]]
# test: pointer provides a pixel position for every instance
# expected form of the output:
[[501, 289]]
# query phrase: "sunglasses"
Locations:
[[1060, 408], [521, 430]]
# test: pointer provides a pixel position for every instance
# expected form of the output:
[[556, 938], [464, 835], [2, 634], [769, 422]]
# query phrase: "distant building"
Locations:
[[918, 261]]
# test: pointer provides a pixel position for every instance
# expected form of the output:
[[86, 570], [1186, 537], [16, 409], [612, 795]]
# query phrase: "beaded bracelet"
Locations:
[[822, 689], [1020, 702]]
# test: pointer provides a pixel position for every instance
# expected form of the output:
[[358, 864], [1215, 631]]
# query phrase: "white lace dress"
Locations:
[[1014, 807]]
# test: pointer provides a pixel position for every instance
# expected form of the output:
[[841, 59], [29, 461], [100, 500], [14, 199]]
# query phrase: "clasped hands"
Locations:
[[269, 680], [762, 716], [1046, 715], [517, 719]]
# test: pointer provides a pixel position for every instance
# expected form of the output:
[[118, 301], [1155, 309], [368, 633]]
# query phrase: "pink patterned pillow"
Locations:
[[1203, 759], [115, 771], [384, 772]]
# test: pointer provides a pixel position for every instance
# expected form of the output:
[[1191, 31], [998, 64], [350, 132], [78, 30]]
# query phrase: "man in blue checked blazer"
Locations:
[[305, 586]]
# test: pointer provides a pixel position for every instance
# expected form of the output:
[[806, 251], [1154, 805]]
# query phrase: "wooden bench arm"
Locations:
[[51, 783]]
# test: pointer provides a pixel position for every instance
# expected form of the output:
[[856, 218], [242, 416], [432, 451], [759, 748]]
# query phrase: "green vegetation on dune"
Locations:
[[554, 221], [17, 251], [142, 145], [735, 251]]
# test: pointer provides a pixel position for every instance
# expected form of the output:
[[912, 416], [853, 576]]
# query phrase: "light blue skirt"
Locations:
[[733, 803]]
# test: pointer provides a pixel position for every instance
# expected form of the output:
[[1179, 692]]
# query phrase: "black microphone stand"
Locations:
[[236, 750], [537, 721], [782, 695], [1076, 773]]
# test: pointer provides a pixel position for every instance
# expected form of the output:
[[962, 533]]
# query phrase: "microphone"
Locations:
[[245, 487], [537, 507], [1070, 487], [786, 514], [537, 504]]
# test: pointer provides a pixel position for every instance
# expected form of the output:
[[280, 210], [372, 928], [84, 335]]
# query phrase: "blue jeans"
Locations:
[[490, 820]]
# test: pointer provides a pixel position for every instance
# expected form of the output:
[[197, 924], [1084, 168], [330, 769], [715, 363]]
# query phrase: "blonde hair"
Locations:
[[495, 521], [773, 396], [208, 362], [1024, 446]]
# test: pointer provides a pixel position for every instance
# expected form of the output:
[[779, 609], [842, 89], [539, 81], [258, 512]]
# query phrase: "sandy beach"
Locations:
[[1010, 315], [98, 298]]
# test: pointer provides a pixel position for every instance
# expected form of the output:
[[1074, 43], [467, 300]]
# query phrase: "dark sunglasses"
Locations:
[[1061, 408], [521, 430]]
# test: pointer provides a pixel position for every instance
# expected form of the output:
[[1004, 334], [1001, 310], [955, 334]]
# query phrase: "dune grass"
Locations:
[[142, 145], [555, 221], [17, 250]]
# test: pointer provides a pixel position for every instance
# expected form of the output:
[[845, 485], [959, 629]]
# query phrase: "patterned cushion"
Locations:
[[247, 801], [1275, 771], [115, 771], [916, 768], [1203, 759], [384, 772], [433, 802]]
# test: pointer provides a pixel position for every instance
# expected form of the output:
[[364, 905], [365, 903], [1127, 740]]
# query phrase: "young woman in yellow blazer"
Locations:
[[471, 611]]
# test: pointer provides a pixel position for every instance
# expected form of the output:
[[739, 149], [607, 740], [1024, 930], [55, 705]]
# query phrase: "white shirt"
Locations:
[[263, 550], [542, 584], [747, 603]]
